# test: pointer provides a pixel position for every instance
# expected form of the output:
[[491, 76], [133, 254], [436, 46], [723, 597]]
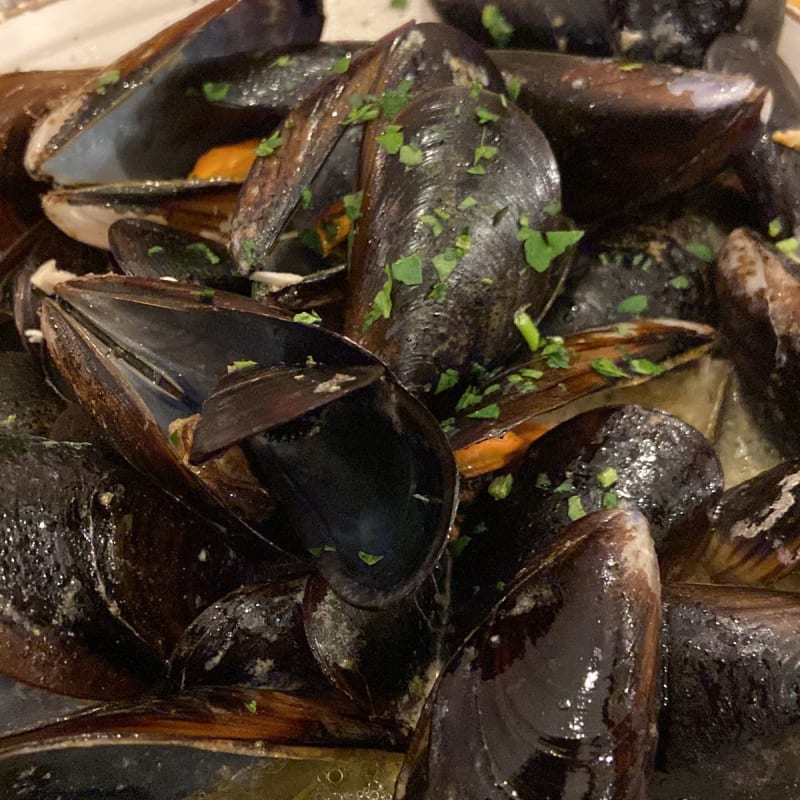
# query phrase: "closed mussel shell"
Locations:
[[728, 727], [595, 460], [554, 695], [439, 265]]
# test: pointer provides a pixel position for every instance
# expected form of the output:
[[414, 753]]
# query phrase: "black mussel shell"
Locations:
[[438, 268], [729, 726], [762, 21], [401, 65], [560, 372], [601, 118], [770, 169], [647, 458], [28, 406], [385, 660], [754, 538], [634, 272], [759, 292], [253, 637], [199, 207], [554, 695], [369, 486], [150, 250], [276, 81], [577, 26], [136, 120]]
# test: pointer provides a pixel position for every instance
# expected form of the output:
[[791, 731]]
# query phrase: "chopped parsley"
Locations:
[[369, 559], [775, 228], [308, 318], [306, 198], [155, 250], [527, 327], [607, 477], [702, 251], [251, 706], [433, 223], [204, 250], [392, 100], [679, 282], [556, 353], [391, 140], [787, 246], [107, 79], [204, 295], [487, 412], [500, 488], [635, 304], [630, 66], [484, 116], [575, 510], [382, 304], [610, 500], [361, 110], [445, 263], [607, 368], [447, 380], [283, 61], [457, 545], [514, 87], [215, 92], [267, 147], [341, 65], [542, 249], [468, 202], [408, 270], [496, 25], [643, 366], [410, 155], [352, 205]]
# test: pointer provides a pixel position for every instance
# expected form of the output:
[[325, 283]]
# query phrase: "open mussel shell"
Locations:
[[563, 371], [374, 508], [547, 698], [135, 120], [754, 538], [403, 63], [759, 289], [172, 344], [595, 460], [150, 250], [698, 118], [177, 771], [729, 726], [253, 637], [199, 207], [438, 268], [24, 98]]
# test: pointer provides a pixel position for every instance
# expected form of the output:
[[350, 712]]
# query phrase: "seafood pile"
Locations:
[[372, 413]]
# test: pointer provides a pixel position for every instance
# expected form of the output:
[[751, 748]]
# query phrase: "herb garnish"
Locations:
[[270, 145]]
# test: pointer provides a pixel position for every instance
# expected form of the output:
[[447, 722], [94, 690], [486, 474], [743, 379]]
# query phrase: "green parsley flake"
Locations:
[[410, 155], [514, 87], [467, 203], [635, 304], [215, 92], [393, 100], [433, 223], [248, 252], [204, 250], [500, 586], [475, 90], [408, 270], [382, 304], [679, 282], [457, 546], [239, 365], [527, 327], [341, 65], [175, 438], [107, 79], [315, 551], [557, 355], [391, 140], [268, 147], [607, 368], [543, 481], [575, 509], [566, 486], [448, 425], [470, 397], [608, 477], [487, 412], [496, 24], [447, 380], [306, 198], [610, 500], [787, 246], [155, 250], [445, 263], [204, 295], [484, 116], [369, 559], [251, 706], [643, 366], [542, 249], [630, 66], [283, 61], [361, 111], [702, 251], [352, 205], [775, 228], [308, 318], [500, 487]]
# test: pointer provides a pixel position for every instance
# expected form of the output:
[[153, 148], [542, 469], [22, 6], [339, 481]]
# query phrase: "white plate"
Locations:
[[81, 33]]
